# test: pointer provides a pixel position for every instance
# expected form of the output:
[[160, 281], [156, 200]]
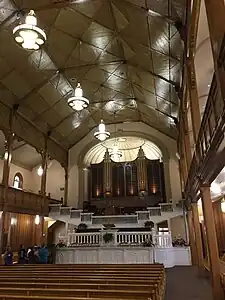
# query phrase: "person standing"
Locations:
[[8, 256], [43, 254], [22, 255]]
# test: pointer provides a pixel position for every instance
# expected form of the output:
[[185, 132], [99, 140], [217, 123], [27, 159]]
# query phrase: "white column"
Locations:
[[169, 225], [85, 184], [66, 229]]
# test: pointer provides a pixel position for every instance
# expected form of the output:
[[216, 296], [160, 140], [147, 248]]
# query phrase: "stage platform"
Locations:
[[170, 257]]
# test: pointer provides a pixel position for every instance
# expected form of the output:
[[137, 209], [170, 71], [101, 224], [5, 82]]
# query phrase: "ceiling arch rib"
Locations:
[[129, 147]]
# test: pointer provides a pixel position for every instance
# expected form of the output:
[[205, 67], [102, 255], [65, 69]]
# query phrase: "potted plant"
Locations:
[[82, 227], [108, 237], [61, 244], [149, 225], [179, 242]]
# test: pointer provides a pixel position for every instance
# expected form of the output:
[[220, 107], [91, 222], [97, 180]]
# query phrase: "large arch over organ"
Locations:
[[125, 183]]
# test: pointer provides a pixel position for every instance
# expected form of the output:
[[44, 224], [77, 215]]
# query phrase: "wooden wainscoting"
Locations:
[[23, 230], [219, 217], [20, 201]]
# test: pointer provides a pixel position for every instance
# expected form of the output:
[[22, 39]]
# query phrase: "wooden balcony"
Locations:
[[208, 158], [19, 201]]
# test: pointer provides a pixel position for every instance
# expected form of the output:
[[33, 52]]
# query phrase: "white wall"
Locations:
[[55, 180], [73, 186], [177, 227], [32, 182], [27, 175], [174, 180]]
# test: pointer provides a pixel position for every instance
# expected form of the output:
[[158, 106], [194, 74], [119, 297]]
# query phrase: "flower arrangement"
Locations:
[[108, 237], [179, 242], [149, 225], [82, 227], [61, 244]]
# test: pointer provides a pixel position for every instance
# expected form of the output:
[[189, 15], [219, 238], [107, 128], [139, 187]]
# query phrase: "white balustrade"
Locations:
[[120, 238], [162, 240], [88, 238]]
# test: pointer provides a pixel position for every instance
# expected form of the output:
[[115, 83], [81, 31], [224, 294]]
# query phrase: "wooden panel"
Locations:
[[156, 182], [24, 230], [97, 180], [19, 201], [118, 180], [131, 179], [220, 225]]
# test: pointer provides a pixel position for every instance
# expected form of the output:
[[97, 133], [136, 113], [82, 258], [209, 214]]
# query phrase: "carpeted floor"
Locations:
[[183, 283]]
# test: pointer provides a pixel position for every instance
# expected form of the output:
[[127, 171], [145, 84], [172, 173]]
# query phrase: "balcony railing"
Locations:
[[210, 136], [20, 201], [92, 239]]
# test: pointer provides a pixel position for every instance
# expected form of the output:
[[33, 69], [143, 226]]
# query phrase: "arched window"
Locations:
[[18, 181]]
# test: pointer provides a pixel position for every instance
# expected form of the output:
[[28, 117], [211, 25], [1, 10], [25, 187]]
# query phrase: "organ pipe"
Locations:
[[142, 171], [107, 174]]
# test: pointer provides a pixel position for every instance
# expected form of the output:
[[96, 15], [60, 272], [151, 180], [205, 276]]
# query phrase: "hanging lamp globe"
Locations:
[[28, 35], [115, 153], [101, 134], [77, 101]]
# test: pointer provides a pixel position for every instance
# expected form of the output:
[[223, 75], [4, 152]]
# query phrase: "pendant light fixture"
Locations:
[[28, 35], [115, 154], [77, 101], [101, 134]]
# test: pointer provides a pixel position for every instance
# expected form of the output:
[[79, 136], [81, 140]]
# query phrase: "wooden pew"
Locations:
[[116, 281], [11, 297], [121, 294]]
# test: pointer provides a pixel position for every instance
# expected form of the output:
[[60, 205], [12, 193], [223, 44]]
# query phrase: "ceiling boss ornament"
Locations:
[[101, 134], [77, 101], [28, 35]]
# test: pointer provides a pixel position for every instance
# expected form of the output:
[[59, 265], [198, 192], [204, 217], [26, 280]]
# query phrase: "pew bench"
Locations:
[[144, 282], [19, 297], [88, 293], [90, 286]]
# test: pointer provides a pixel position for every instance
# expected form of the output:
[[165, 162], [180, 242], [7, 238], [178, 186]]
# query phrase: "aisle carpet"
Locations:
[[183, 283]]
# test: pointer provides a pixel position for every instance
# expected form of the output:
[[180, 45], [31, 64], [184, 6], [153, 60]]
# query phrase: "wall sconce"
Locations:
[[37, 220], [13, 221], [201, 219], [6, 156], [40, 171], [223, 206]]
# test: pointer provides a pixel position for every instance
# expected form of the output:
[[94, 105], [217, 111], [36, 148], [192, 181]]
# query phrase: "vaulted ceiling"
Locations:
[[126, 54]]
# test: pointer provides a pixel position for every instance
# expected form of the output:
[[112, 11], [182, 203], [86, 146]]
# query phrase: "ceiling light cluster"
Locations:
[[31, 37], [28, 35]]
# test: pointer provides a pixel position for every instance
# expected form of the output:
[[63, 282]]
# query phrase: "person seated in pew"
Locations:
[[43, 254], [8, 256], [22, 255]]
